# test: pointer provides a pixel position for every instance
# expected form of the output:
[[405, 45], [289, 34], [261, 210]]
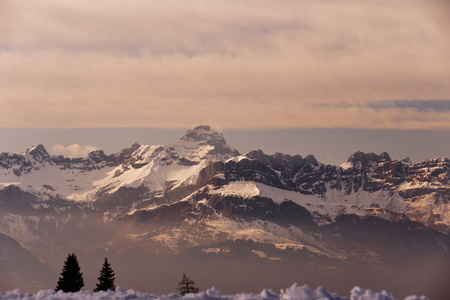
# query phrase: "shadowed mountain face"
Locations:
[[199, 204], [20, 269]]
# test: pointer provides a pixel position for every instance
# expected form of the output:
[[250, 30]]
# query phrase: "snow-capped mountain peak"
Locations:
[[205, 135], [161, 169], [37, 152], [202, 133]]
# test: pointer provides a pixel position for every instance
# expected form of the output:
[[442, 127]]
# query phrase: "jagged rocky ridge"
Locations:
[[200, 192], [202, 168]]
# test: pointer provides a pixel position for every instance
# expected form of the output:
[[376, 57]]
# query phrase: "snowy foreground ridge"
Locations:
[[293, 293]]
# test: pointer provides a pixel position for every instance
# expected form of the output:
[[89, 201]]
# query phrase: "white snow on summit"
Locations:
[[151, 166]]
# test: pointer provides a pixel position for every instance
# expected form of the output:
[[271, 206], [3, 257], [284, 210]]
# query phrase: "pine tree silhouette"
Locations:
[[186, 286], [71, 279], [106, 279]]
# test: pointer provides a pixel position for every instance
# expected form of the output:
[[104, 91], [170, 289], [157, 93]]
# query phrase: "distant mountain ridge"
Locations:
[[420, 191], [201, 192]]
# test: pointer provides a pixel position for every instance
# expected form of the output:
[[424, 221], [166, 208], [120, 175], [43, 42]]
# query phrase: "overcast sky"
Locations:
[[238, 65]]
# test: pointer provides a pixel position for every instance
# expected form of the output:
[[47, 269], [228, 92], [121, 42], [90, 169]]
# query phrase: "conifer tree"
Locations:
[[71, 279], [186, 286], [106, 279]]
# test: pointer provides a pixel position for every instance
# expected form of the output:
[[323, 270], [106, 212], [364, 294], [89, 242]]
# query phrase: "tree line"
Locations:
[[71, 279]]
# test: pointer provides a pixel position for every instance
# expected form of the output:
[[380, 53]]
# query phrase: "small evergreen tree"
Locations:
[[106, 279], [71, 279], [186, 286]]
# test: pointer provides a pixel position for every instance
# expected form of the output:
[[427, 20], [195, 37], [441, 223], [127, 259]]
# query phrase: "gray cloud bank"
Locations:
[[237, 64]]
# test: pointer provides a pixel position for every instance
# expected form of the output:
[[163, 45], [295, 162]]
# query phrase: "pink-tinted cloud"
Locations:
[[238, 64], [74, 150]]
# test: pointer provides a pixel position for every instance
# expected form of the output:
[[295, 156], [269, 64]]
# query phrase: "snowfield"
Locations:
[[293, 293]]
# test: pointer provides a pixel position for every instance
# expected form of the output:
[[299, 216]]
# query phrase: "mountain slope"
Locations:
[[20, 269]]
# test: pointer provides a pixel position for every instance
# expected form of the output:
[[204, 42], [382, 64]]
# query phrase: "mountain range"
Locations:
[[199, 206]]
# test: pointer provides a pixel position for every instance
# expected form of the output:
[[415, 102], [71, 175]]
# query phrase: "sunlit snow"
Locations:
[[244, 189], [333, 203]]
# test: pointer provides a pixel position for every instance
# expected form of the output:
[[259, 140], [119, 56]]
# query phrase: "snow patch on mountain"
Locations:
[[332, 204], [268, 232], [244, 189], [18, 228], [347, 166], [54, 181]]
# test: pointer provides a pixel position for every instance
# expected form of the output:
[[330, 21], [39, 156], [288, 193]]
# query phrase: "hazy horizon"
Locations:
[[329, 146]]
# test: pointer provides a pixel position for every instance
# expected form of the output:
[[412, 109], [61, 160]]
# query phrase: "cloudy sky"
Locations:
[[291, 68]]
